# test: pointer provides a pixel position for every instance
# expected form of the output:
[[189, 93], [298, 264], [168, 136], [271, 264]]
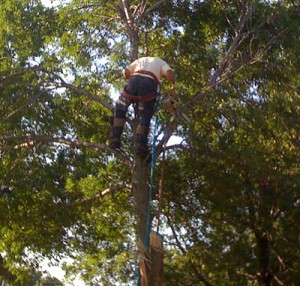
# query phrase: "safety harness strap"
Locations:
[[148, 73], [139, 98]]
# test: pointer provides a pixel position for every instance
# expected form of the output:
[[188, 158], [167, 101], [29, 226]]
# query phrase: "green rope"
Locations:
[[153, 165]]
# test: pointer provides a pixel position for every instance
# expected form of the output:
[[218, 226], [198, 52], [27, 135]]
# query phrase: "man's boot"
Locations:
[[115, 142]]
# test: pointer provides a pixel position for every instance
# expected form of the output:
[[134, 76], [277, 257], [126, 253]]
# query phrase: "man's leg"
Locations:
[[122, 105], [146, 110]]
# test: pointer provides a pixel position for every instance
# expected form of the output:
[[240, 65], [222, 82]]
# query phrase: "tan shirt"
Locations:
[[154, 65]]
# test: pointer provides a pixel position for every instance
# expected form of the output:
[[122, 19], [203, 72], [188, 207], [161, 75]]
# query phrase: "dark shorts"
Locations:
[[140, 86]]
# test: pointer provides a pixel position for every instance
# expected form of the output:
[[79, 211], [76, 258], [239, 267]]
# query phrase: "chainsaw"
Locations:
[[170, 104]]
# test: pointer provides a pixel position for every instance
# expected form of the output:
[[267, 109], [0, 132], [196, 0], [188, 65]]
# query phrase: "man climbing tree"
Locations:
[[144, 76]]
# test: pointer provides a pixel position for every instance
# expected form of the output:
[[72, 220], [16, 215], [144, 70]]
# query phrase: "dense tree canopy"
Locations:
[[230, 212]]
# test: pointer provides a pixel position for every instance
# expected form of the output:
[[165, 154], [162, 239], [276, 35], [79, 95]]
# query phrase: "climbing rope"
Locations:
[[153, 165], [161, 191]]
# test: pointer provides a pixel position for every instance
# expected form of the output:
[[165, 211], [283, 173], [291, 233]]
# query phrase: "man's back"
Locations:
[[154, 65]]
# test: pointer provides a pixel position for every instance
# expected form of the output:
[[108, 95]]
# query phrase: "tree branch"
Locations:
[[152, 8], [179, 146], [25, 105], [125, 8], [98, 196], [31, 140], [239, 37], [182, 249], [102, 194], [215, 79], [63, 83]]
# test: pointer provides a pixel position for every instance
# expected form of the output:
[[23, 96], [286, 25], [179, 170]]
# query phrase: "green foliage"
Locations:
[[230, 210], [26, 43]]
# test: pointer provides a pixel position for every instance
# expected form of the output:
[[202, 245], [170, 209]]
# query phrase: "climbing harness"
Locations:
[[139, 98], [147, 97], [148, 74]]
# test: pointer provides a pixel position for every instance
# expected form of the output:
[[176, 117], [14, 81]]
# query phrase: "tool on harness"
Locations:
[[169, 104]]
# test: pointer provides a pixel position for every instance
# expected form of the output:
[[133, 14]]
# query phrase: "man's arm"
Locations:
[[171, 79], [170, 76]]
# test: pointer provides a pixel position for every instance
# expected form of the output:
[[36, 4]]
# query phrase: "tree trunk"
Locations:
[[149, 244], [264, 276], [156, 255], [140, 189], [134, 44], [140, 171], [264, 221]]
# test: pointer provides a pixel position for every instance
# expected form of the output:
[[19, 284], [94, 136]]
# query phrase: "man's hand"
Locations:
[[127, 73], [170, 76]]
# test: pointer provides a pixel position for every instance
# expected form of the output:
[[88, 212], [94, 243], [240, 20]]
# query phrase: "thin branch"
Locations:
[[63, 83], [222, 74], [250, 276], [125, 6], [196, 270], [168, 131], [215, 79], [280, 260], [277, 280], [124, 13], [89, 6], [178, 243], [98, 196], [179, 146], [25, 105], [104, 193], [30, 141], [139, 9], [152, 8]]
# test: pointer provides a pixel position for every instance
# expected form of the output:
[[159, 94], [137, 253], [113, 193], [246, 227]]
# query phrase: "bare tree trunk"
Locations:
[[140, 190], [264, 225], [157, 258], [264, 276], [134, 44]]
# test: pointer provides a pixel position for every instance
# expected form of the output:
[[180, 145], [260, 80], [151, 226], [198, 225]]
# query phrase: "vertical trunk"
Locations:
[[134, 44], [151, 256], [140, 189], [264, 276], [140, 172], [261, 222], [157, 260], [265, 204]]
